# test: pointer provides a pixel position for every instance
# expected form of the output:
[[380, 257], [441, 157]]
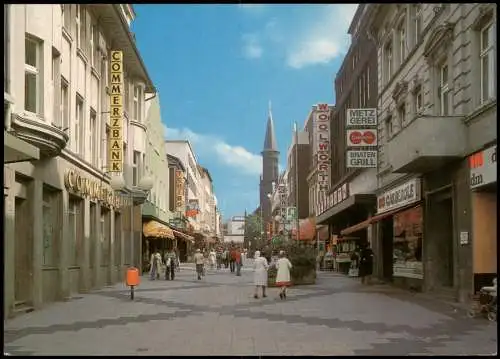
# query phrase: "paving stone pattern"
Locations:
[[219, 316]]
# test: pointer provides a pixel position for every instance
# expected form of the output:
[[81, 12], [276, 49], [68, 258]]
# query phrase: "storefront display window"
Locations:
[[407, 249]]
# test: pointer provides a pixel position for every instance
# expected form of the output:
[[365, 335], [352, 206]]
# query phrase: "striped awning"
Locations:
[[157, 230]]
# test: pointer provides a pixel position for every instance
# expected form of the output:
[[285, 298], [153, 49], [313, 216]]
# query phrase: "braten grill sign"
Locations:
[[400, 196]]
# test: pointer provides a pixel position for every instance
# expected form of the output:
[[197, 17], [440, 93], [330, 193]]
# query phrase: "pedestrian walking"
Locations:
[[155, 266], [170, 264], [365, 263], [232, 260], [212, 257], [260, 267], [237, 262], [198, 261], [283, 275]]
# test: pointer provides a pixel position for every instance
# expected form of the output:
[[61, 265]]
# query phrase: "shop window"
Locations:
[[32, 73], [407, 245], [105, 236], [75, 229], [51, 226], [93, 234]]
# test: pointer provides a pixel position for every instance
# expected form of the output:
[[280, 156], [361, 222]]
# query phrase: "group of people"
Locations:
[[261, 266], [170, 260], [232, 258]]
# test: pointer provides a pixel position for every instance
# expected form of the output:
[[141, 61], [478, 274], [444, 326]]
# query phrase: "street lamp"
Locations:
[[137, 195]]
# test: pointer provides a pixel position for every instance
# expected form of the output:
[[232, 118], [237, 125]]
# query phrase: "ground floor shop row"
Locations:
[[434, 232], [65, 232]]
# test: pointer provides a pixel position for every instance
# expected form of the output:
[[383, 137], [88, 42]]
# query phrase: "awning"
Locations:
[[184, 236], [357, 227], [363, 225], [157, 230], [357, 199], [307, 229]]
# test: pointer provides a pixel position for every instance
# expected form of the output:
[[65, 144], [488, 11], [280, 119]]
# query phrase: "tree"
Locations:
[[253, 231]]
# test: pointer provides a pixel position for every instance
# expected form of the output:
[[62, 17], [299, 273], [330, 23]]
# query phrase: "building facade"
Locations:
[[66, 230], [437, 144], [352, 194]]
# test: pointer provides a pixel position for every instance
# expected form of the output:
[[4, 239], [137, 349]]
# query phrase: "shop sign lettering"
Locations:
[[321, 134], [93, 189], [483, 167], [361, 117], [115, 145], [400, 196], [179, 191]]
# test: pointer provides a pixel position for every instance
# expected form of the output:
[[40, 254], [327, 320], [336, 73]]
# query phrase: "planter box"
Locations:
[[308, 277]]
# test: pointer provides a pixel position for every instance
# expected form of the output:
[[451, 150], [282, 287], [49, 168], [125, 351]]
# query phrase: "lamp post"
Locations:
[[137, 195]]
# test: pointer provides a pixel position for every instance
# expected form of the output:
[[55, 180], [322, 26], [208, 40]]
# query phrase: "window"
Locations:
[[67, 17], [79, 125], [487, 56], [402, 114], [92, 42], [32, 75], [388, 61], [402, 40], [389, 127], [125, 159], [104, 147], [418, 99], [75, 229], [137, 103], [82, 24], [64, 104], [417, 22], [360, 91], [444, 91], [135, 168], [78, 26], [93, 150], [105, 236], [56, 61]]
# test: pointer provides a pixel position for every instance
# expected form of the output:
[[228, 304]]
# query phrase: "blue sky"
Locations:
[[216, 68]]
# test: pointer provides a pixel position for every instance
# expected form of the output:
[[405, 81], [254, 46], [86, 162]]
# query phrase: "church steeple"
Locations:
[[270, 143]]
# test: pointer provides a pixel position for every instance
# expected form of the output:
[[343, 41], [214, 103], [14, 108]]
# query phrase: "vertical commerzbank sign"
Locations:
[[322, 147], [115, 145]]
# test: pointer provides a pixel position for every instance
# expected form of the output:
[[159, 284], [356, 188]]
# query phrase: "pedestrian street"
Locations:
[[219, 316]]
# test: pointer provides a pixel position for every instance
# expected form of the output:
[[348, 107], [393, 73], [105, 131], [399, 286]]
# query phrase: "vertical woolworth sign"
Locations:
[[322, 147], [115, 145]]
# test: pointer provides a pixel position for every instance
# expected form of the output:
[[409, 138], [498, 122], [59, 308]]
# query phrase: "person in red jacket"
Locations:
[[232, 259], [237, 261]]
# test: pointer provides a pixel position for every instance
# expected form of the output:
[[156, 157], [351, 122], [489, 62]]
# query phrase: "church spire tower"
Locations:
[[270, 172]]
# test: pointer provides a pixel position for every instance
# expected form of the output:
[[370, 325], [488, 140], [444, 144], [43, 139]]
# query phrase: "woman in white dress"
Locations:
[[283, 275], [260, 267]]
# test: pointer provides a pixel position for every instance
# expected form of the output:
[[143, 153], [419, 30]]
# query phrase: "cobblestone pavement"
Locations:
[[218, 315]]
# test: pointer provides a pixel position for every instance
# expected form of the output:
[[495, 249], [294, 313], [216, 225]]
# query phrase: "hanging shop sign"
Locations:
[[361, 158], [93, 189], [321, 117], [364, 137], [357, 117], [283, 198], [115, 145], [399, 196], [483, 167], [193, 208], [341, 194], [361, 133], [179, 191]]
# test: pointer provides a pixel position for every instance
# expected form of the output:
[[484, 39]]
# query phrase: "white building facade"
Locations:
[[66, 231]]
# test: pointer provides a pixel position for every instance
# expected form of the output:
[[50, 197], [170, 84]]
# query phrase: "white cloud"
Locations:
[[325, 40], [317, 36], [236, 157], [251, 46]]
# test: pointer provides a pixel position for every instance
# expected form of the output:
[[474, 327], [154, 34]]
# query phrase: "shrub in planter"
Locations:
[[303, 261]]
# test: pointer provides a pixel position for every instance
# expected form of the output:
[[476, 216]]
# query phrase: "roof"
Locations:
[[270, 143], [176, 161]]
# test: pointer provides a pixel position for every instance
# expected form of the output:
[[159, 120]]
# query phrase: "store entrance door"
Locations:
[[440, 235], [387, 247], [23, 256]]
